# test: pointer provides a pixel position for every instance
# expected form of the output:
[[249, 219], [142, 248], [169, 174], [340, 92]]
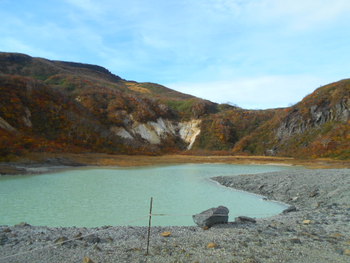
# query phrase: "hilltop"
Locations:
[[67, 107]]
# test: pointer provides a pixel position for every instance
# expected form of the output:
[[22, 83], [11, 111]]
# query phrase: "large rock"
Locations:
[[212, 216]]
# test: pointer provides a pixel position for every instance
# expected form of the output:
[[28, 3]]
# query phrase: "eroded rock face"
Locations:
[[189, 131], [297, 123], [122, 132], [148, 132], [6, 126], [26, 118], [212, 216], [155, 131]]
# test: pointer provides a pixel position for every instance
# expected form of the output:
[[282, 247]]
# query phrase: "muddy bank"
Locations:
[[36, 163], [45, 165], [318, 231]]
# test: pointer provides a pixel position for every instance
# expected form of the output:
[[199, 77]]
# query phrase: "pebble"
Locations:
[[60, 240], [94, 239], [295, 241], [250, 260], [212, 245], [166, 234], [306, 222], [336, 235], [87, 260]]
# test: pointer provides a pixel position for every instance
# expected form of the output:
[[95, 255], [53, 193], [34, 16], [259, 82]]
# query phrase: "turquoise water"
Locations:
[[121, 196]]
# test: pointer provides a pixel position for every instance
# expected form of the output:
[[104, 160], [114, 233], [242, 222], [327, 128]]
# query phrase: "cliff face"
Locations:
[[73, 107], [318, 126], [297, 123]]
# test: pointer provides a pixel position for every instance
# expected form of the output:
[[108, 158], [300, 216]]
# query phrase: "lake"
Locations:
[[94, 197]]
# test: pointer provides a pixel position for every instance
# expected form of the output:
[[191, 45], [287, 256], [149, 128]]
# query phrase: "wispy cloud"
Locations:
[[228, 43], [14, 45], [254, 93], [307, 14], [89, 7], [293, 14]]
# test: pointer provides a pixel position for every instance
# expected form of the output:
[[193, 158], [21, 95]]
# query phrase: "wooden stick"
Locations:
[[149, 224]]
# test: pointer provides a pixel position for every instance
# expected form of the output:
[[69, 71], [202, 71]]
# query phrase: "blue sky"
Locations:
[[253, 53]]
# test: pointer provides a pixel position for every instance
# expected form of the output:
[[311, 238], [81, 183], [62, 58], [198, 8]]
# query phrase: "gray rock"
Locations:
[[245, 219], [212, 216], [313, 193], [94, 239], [3, 239], [295, 240], [292, 208], [22, 224], [6, 230]]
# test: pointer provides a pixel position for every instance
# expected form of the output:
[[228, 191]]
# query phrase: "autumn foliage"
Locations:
[[53, 106]]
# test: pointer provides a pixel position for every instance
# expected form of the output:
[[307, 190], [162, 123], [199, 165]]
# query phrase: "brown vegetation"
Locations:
[[53, 106]]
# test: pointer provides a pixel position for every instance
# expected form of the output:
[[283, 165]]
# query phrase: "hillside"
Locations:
[[318, 126], [55, 106]]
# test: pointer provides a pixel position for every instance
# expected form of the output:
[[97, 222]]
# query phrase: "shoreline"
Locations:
[[48, 162], [318, 231], [258, 195]]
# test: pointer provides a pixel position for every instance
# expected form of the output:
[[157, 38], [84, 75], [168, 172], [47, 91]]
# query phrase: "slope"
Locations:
[[65, 106], [73, 107], [318, 126]]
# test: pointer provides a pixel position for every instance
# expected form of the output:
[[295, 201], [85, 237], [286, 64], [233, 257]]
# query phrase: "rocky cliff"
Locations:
[[318, 126], [73, 107], [316, 115]]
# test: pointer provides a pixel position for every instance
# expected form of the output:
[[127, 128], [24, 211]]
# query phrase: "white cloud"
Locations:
[[254, 93], [299, 15], [290, 15], [89, 6], [9, 44], [232, 45]]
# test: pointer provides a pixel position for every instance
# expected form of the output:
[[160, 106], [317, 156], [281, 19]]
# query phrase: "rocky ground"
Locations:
[[318, 231]]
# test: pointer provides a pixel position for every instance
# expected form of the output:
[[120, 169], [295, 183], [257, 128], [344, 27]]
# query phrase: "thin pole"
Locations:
[[149, 224]]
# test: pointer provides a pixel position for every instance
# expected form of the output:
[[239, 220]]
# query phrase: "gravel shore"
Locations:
[[318, 231]]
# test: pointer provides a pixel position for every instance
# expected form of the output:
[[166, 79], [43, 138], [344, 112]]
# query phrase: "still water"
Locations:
[[121, 196]]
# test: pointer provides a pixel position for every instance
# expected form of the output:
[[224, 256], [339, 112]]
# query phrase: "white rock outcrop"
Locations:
[[6, 126], [189, 131], [26, 118], [122, 132], [155, 131], [147, 132]]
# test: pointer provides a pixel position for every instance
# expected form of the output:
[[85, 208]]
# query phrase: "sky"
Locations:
[[256, 54]]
